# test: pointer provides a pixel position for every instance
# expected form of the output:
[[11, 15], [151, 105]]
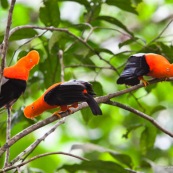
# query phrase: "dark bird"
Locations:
[[148, 64], [64, 95], [15, 77]]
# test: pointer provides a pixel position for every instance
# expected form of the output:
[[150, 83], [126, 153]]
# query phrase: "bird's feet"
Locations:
[[145, 83]]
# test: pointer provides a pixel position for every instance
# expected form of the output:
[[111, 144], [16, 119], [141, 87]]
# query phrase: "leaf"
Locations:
[[4, 4], [125, 5], [157, 108], [83, 2], [147, 138], [95, 165], [97, 87], [23, 34], [86, 114], [103, 50], [127, 42], [88, 147], [114, 21], [123, 158], [131, 128], [50, 14]]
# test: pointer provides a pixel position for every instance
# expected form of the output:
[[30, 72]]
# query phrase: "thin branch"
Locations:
[[36, 143], [164, 29], [28, 41], [6, 36], [141, 114], [88, 66], [69, 33], [39, 156], [8, 136], [61, 60]]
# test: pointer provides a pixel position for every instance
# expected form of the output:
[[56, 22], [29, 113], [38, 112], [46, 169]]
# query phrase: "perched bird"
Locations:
[[148, 64], [15, 77], [64, 95]]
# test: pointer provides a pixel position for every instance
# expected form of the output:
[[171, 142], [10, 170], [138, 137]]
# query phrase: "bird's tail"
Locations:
[[93, 105]]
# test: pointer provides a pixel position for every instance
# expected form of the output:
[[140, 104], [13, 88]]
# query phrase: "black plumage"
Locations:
[[71, 92], [136, 67], [11, 90]]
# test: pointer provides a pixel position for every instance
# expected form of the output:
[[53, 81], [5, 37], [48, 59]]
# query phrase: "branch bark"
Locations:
[[36, 143], [39, 156]]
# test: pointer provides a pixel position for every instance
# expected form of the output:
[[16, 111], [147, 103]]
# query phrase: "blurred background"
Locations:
[[111, 31]]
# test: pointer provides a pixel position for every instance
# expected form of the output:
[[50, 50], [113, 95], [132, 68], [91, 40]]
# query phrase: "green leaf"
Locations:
[[157, 108], [83, 2], [103, 50], [86, 114], [23, 34], [114, 21], [127, 42], [4, 4], [122, 158], [147, 138], [125, 5], [50, 14], [97, 87], [95, 165], [131, 128]]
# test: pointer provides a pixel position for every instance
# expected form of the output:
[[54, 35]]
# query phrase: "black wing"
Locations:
[[11, 90], [136, 67], [71, 92]]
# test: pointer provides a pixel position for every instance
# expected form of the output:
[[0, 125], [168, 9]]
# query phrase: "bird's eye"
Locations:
[[32, 107]]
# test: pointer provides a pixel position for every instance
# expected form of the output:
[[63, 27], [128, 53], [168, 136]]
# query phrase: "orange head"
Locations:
[[36, 108], [21, 69], [32, 111]]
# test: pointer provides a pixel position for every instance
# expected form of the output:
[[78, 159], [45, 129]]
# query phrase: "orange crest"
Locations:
[[21, 69]]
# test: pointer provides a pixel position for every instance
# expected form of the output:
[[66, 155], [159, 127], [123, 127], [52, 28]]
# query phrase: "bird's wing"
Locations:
[[65, 94], [11, 89], [136, 67]]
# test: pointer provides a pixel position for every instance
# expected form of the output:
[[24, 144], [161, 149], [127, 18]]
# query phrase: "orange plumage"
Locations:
[[149, 64], [63, 95], [15, 77], [21, 69]]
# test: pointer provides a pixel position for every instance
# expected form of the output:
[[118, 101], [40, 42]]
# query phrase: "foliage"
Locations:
[[96, 38]]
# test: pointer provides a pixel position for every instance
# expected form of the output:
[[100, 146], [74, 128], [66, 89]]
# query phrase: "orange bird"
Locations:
[[63, 95], [148, 64], [15, 77]]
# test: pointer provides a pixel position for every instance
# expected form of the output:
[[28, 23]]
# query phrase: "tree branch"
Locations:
[[141, 114], [7, 35], [8, 136], [101, 99], [39, 156], [36, 143]]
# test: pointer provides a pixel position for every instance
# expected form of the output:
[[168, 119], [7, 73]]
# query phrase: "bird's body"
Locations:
[[64, 95], [15, 77], [149, 64]]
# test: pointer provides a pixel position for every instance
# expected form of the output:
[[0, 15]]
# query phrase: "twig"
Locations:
[[36, 143], [39, 156], [141, 114], [164, 29], [8, 136], [69, 33], [88, 66], [61, 60], [4, 45], [6, 36]]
